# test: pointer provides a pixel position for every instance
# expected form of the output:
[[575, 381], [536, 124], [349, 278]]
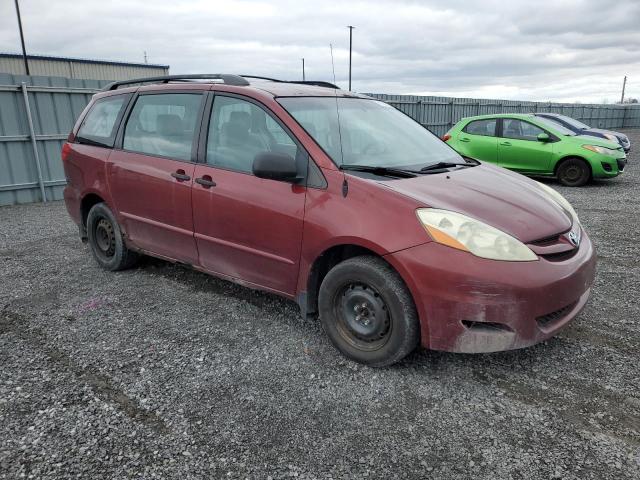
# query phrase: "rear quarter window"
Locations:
[[100, 124], [482, 127]]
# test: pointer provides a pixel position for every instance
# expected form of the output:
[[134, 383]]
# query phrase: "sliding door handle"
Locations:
[[180, 176], [206, 181]]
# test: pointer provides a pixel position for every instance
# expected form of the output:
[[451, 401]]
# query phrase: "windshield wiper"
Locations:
[[378, 170], [444, 165], [88, 141]]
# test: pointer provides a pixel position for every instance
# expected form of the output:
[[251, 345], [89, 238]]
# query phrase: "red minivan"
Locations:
[[332, 199]]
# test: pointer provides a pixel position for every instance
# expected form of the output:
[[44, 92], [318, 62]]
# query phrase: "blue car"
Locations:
[[580, 128]]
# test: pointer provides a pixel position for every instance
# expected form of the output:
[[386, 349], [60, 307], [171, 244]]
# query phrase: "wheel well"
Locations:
[[88, 201], [569, 157], [321, 266]]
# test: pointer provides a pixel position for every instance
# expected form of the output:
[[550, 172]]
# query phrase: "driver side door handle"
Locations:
[[506, 144]]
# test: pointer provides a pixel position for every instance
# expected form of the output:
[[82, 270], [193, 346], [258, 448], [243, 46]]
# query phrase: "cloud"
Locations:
[[562, 51]]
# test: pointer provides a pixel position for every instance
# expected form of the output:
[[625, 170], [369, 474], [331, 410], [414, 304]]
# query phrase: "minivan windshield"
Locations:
[[358, 131]]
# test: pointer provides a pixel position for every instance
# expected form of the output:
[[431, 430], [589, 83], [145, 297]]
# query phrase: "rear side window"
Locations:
[[239, 130], [517, 129], [99, 125], [163, 125], [482, 127]]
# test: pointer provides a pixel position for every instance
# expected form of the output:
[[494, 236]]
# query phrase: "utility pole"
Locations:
[[303, 78], [624, 84], [145, 57], [350, 27], [24, 50]]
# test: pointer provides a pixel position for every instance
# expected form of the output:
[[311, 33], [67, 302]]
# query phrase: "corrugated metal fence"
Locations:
[[439, 114], [36, 116], [37, 113]]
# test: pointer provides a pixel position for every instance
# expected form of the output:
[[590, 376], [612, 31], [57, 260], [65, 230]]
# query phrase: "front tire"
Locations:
[[367, 312], [574, 172], [106, 241]]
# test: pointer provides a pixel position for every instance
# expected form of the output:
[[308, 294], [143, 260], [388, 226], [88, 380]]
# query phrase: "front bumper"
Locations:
[[609, 167], [471, 305]]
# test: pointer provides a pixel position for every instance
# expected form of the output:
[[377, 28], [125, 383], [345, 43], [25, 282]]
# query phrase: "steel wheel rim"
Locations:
[[363, 317], [573, 173], [105, 239]]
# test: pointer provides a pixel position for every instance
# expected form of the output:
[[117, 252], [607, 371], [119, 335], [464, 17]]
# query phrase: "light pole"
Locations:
[[24, 50], [303, 78], [624, 84], [350, 27]]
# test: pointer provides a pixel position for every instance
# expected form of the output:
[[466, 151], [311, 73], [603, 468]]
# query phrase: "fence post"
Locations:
[[34, 143], [624, 115]]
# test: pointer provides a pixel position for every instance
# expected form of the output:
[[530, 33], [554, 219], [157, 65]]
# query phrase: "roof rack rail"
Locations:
[[317, 83], [226, 78]]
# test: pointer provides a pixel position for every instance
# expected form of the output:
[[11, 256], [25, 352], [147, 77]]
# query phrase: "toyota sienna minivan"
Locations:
[[332, 199]]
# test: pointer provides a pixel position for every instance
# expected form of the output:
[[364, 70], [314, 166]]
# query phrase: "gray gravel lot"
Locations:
[[163, 372]]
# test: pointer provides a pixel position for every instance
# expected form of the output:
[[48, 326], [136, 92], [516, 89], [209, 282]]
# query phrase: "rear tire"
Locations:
[[106, 241], [574, 172], [367, 312]]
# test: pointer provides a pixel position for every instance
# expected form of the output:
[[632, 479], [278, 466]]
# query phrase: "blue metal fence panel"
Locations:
[[439, 114], [55, 103]]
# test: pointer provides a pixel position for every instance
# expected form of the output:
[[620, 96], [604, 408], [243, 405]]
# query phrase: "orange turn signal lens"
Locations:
[[444, 238]]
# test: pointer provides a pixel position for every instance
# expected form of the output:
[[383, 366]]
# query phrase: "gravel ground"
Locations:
[[163, 372]]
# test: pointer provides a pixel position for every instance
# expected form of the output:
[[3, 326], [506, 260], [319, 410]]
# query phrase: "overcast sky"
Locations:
[[563, 50]]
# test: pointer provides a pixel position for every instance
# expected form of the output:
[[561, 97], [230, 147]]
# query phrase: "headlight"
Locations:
[[560, 200], [464, 233], [613, 138], [612, 152]]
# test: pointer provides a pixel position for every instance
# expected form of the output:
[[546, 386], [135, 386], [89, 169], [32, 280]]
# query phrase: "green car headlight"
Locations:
[[612, 152], [560, 200], [467, 234]]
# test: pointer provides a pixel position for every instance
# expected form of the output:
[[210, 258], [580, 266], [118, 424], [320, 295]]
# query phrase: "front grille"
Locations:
[[543, 242], [554, 248], [549, 318], [559, 257]]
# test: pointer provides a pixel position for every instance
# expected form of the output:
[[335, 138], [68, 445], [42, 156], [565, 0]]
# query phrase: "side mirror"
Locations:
[[275, 166], [543, 137]]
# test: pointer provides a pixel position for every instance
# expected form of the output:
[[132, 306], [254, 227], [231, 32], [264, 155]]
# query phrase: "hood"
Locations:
[[587, 139], [503, 199], [610, 132]]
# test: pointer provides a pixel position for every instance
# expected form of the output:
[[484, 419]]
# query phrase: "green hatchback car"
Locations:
[[535, 146]]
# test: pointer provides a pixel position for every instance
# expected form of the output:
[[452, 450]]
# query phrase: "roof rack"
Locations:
[[226, 78], [317, 83]]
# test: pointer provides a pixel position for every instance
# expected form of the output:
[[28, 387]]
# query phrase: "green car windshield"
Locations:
[[575, 123], [357, 131], [555, 126]]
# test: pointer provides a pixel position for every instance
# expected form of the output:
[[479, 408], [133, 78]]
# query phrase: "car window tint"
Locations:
[[99, 124], [482, 127], [517, 129], [163, 125], [239, 130]]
